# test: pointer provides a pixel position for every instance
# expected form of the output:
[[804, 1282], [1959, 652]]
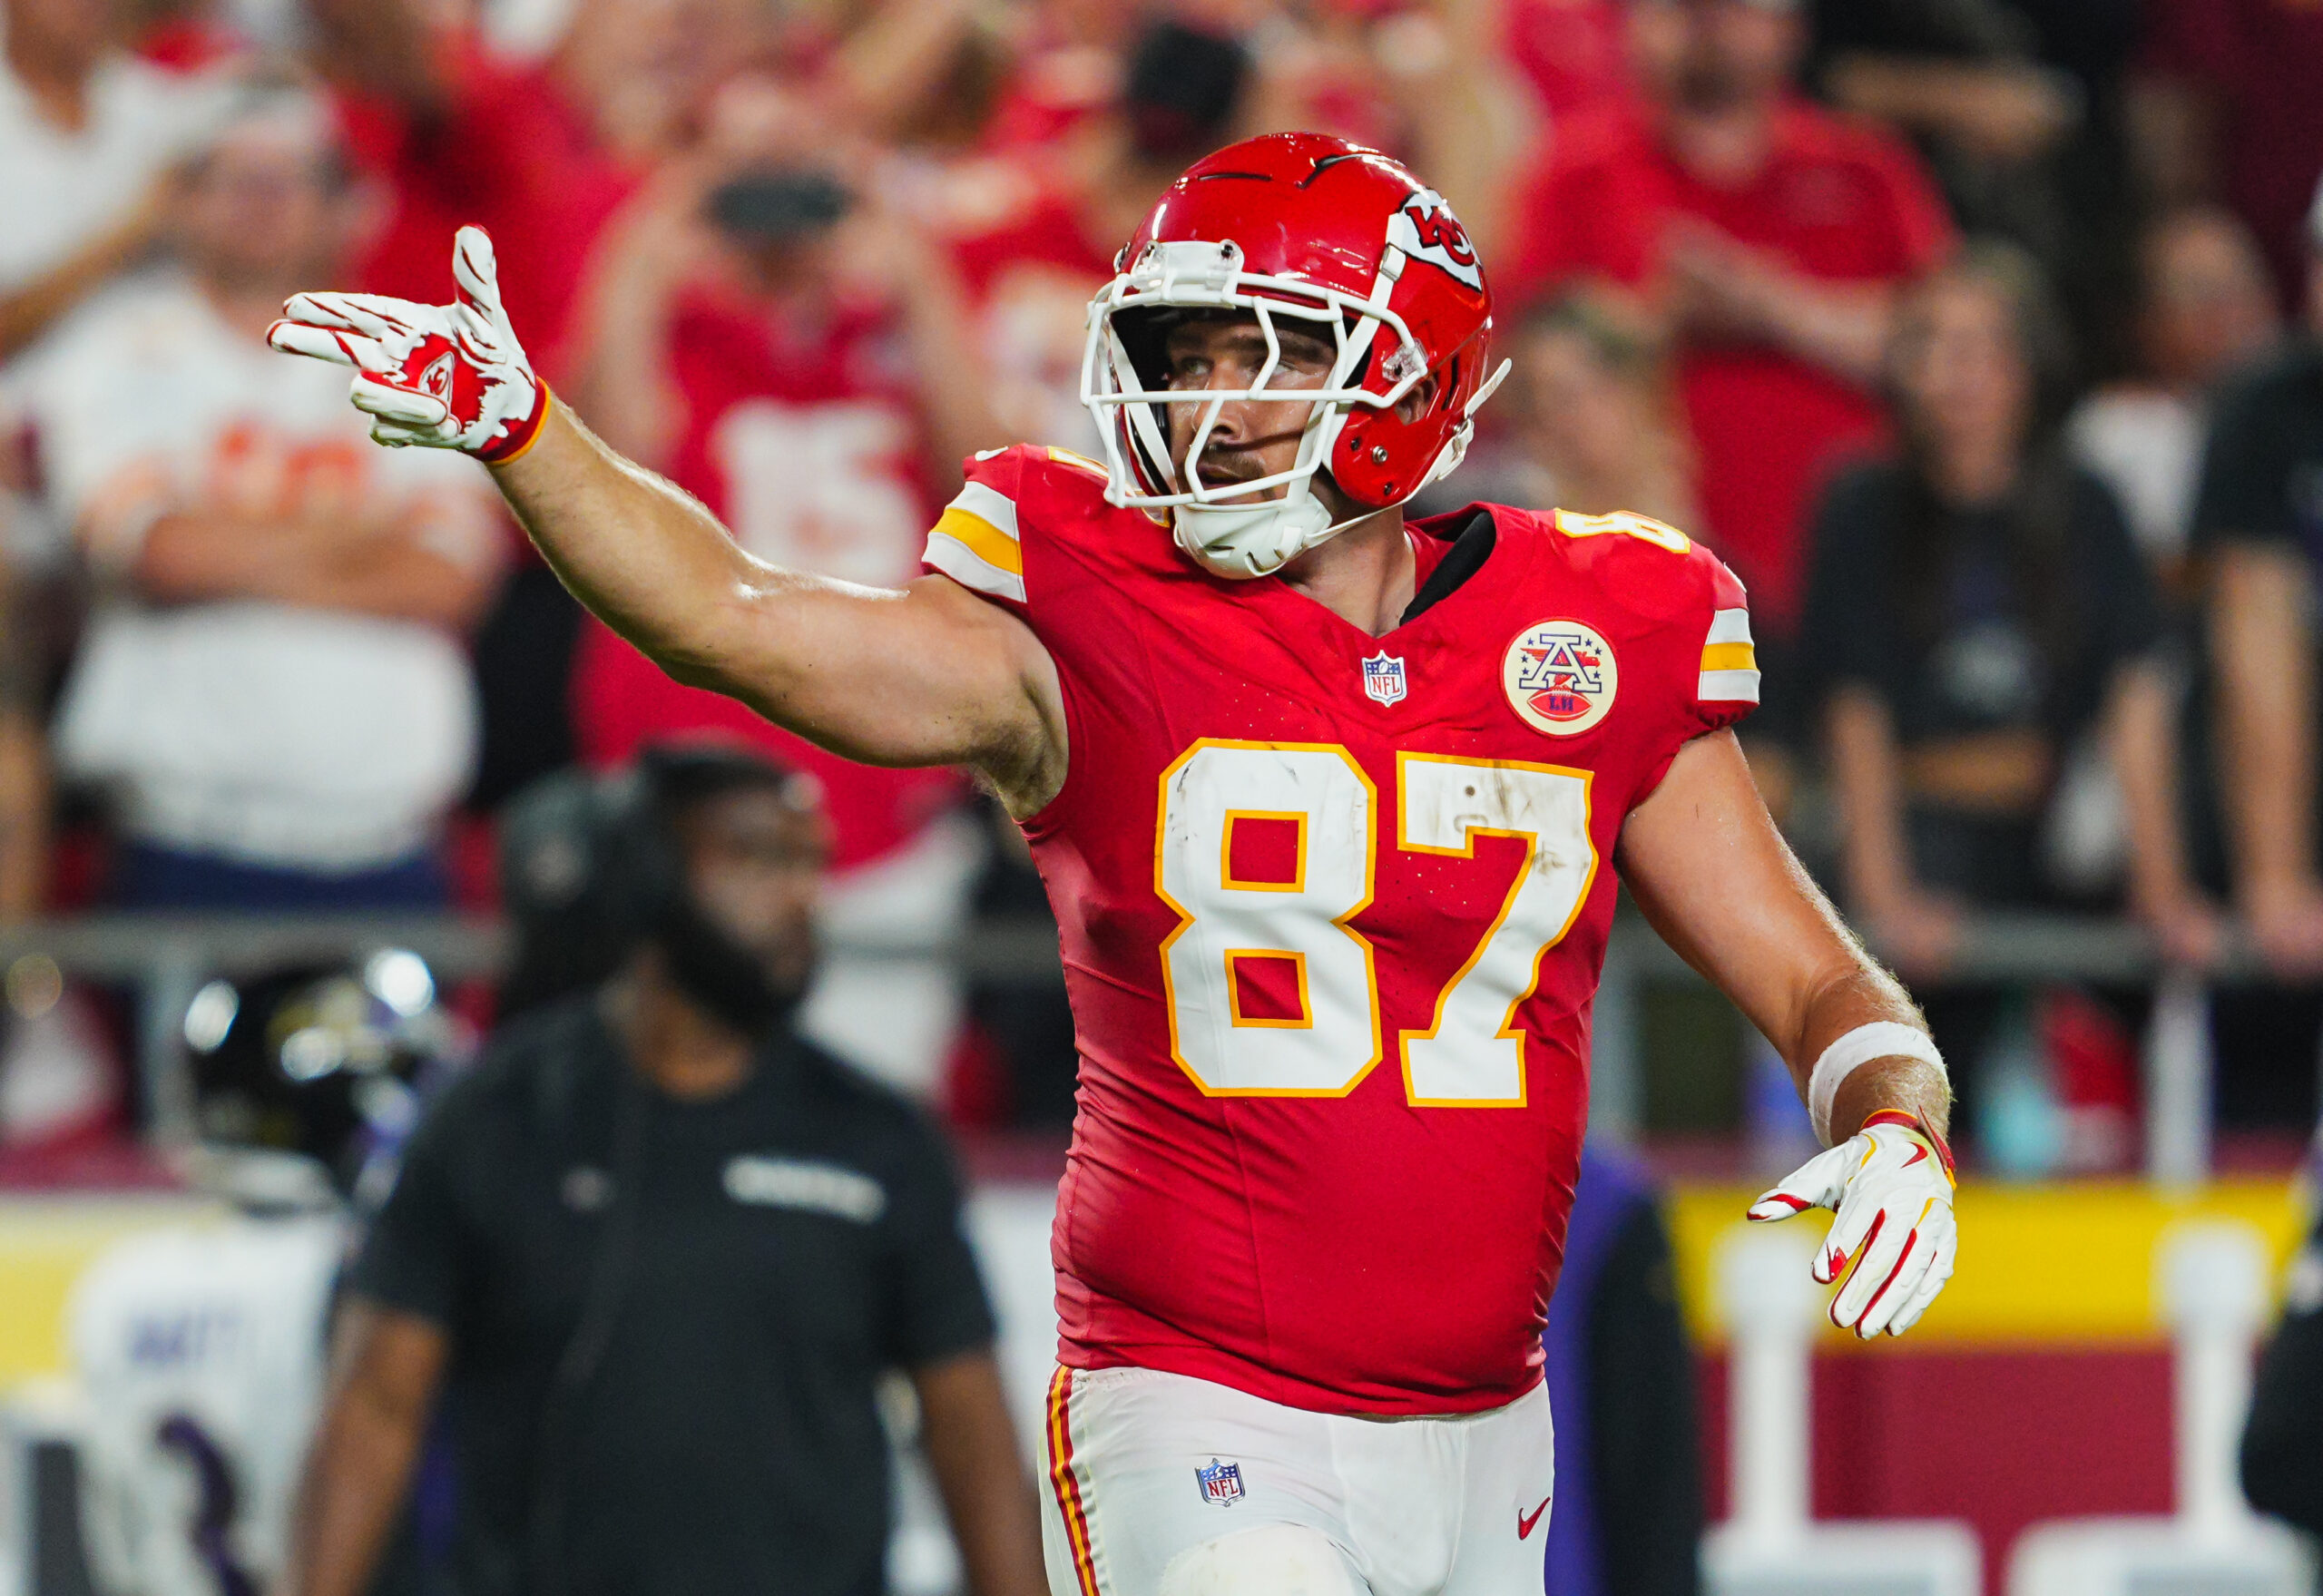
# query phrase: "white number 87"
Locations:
[[1266, 851]]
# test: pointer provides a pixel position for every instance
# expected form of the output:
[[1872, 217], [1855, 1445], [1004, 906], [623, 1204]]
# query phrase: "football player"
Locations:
[[199, 1350], [1330, 808]]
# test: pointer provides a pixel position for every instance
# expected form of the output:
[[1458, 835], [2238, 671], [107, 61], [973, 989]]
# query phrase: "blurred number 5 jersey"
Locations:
[[200, 1356], [1333, 909]]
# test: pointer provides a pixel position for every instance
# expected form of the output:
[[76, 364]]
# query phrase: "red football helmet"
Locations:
[[1332, 234]]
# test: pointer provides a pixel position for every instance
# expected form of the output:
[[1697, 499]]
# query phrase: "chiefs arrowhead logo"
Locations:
[[1561, 676], [1426, 229], [435, 381]]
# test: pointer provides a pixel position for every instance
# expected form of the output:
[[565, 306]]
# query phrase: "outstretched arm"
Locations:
[[925, 674], [1717, 880]]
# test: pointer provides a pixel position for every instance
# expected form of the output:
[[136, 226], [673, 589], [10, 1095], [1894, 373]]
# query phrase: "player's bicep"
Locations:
[[1706, 866], [925, 674]]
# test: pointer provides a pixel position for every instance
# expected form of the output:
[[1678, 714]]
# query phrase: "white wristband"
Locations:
[[1882, 1039]]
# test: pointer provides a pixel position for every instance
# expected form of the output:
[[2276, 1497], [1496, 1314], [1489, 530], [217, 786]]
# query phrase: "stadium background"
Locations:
[[978, 161]]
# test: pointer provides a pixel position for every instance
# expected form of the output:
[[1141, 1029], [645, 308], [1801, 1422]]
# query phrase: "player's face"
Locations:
[[1251, 437], [754, 865]]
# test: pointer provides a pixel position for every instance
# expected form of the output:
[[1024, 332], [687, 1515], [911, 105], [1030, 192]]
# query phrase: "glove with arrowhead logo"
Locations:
[[1891, 1183], [448, 376]]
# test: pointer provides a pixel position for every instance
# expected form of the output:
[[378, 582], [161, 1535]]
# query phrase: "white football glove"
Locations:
[[449, 376], [1891, 1183]]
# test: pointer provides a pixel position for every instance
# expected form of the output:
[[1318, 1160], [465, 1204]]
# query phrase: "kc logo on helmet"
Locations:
[[1561, 676], [1426, 229]]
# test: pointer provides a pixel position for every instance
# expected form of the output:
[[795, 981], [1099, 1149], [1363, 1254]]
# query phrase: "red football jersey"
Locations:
[[1333, 909]]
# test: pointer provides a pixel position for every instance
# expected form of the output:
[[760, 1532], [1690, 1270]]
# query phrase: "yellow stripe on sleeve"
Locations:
[[980, 538], [1729, 656]]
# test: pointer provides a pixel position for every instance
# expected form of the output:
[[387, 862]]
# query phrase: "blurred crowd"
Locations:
[[1967, 331]]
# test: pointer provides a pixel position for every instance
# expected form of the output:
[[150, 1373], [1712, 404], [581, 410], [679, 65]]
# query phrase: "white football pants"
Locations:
[[1164, 1486]]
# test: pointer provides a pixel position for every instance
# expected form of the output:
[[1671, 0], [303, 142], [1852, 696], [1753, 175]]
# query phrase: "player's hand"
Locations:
[[449, 376], [1891, 1183]]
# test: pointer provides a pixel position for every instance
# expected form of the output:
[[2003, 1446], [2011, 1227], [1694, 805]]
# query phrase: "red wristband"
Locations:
[[512, 444]]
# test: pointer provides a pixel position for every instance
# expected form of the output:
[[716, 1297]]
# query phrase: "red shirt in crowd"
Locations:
[[1572, 51], [2261, 61], [807, 439], [506, 154], [1838, 199]]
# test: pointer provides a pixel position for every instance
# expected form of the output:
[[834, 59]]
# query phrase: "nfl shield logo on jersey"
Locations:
[[1382, 678], [1220, 1482], [1561, 676]]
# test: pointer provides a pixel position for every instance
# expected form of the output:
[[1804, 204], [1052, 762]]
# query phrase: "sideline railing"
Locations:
[[169, 958]]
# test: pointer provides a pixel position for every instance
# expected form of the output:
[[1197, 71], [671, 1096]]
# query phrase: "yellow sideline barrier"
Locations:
[[2065, 1263], [44, 1244]]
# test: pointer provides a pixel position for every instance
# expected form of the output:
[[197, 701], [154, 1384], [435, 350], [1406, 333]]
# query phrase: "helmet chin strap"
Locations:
[[1240, 541], [1243, 541]]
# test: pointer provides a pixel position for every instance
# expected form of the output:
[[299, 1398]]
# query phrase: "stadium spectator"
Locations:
[[2254, 520], [1589, 422], [1975, 604], [638, 74], [2229, 113], [1035, 230], [1959, 73], [1429, 84], [789, 348], [88, 135], [1771, 235], [2205, 307], [1628, 1518], [653, 1254], [2017, 106], [272, 690], [453, 134], [1066, 66], [1570, 53]]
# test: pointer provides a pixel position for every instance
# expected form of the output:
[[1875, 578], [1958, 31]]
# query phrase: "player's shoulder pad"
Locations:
[[1669, 578], [1010, 495]]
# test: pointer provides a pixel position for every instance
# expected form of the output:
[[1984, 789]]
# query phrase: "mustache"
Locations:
[[1217, 473]]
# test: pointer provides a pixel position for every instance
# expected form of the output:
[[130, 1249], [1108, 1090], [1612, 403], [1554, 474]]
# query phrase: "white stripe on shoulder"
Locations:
[[971, 570], [981, 499], [1728, 686], [1730, 626]]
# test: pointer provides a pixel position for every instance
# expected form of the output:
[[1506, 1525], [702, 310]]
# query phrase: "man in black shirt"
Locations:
[[2259, 520], [654, 1253]]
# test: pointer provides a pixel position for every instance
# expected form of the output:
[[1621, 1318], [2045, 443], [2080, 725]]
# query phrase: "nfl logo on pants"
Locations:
[[1220, 1482]]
